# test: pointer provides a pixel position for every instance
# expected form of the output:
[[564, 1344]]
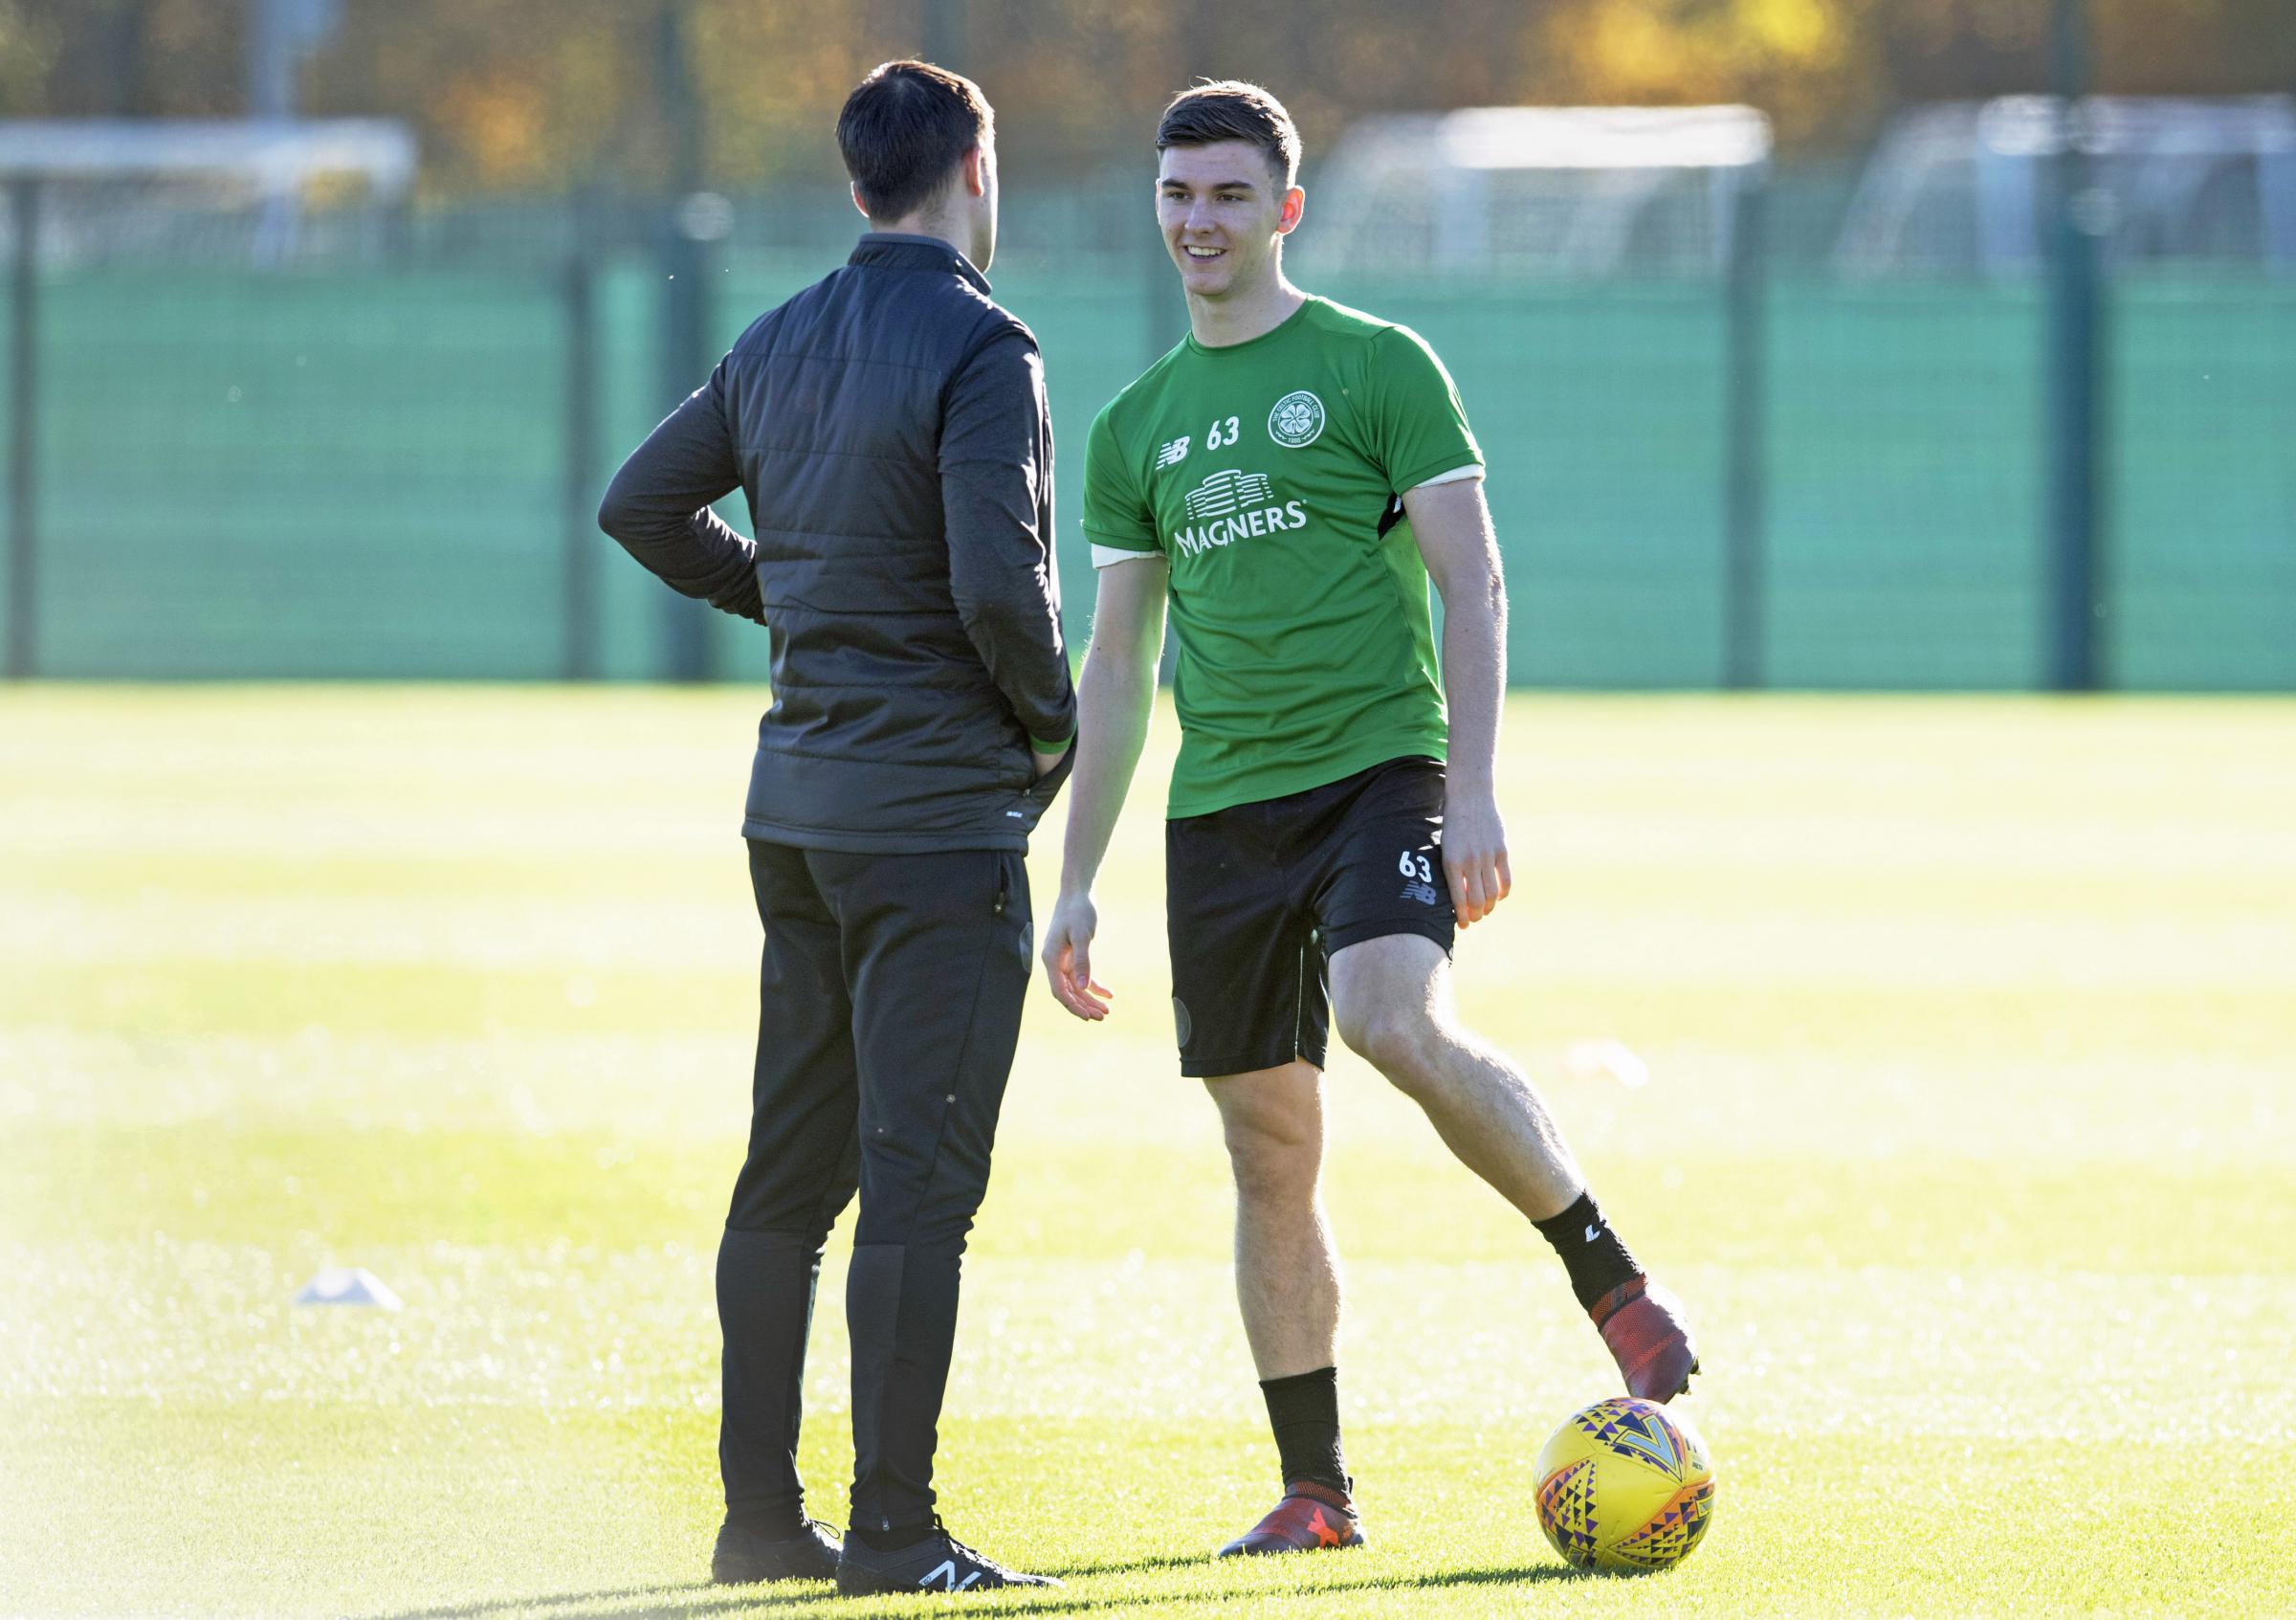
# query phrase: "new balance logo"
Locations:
[[945, 1576], [1172, 454]]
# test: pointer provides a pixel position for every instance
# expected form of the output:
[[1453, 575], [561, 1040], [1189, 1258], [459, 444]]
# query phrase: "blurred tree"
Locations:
[[1829, 71], [120, 58], [1801, 61], [547, 94], [504, 94]]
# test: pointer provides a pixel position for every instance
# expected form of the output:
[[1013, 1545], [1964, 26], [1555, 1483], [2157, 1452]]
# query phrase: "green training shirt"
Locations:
[[1268, 473]]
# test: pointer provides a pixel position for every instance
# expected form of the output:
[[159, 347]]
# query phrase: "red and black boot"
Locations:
[[1309, 1518], [1642, 1324]]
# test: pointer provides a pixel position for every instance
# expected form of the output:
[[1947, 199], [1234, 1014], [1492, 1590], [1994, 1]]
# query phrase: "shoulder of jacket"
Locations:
[[760, 333], [993, 320], [800, 307], [992, 325]]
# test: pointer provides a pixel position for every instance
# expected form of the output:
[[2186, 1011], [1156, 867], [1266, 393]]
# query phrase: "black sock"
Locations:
[[1303, 1412], [1591, 1252]]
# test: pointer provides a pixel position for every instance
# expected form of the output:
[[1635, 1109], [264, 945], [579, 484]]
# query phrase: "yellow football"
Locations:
[[1625, 1485]]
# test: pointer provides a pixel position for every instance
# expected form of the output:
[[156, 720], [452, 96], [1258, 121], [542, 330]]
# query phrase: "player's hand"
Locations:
[[1045, 765], [1474, 855], [1068, 955]]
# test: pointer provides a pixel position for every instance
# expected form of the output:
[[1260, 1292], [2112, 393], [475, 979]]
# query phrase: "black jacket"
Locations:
[[888, 426]]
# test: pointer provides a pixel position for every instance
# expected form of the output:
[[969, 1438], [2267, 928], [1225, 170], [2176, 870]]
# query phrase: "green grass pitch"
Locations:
[[1969, 1136]]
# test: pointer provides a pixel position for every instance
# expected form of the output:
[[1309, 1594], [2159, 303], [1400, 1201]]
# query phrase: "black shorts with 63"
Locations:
[[1258, 897]]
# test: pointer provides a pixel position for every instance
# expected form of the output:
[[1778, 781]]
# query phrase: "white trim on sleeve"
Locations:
[[1472, 470], [1109, 556]]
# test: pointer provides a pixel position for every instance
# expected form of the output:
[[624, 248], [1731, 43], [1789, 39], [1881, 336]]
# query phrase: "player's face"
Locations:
[[1223, 210]]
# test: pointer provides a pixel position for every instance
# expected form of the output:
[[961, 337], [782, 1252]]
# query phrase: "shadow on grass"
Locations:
[[672, 1598], [701, 1601]]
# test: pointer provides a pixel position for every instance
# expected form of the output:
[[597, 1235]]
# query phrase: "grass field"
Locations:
[[1970, 1137]]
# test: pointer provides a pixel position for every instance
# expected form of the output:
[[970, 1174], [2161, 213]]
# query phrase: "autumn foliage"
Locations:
[[544, 94]]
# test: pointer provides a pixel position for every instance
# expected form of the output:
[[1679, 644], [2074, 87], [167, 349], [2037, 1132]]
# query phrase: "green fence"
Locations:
[[374, 473]]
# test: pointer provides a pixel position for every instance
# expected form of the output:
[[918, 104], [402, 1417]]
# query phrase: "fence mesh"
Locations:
[[368, 460]]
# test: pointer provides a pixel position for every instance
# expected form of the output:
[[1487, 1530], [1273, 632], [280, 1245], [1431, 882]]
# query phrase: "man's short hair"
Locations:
[[903, 130], [1232, 110]]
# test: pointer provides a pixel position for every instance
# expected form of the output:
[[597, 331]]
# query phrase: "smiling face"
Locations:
[[1224, 211]]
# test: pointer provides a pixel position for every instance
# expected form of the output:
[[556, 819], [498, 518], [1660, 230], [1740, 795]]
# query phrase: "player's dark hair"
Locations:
[[1232, 110], [903, 131]]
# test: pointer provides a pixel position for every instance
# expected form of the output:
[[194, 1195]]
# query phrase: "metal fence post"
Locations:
[[1164, 307], [23, 436], [579, 427], [945, 29], [689, 648], [2075, 387], [1746, 403]]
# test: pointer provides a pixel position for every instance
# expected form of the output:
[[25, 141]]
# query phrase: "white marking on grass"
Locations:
[[347, 1285]]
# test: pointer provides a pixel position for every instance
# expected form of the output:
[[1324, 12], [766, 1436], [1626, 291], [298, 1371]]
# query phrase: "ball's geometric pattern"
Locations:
[[1636, 1429], [1672, 1536], [1566, 1511], [1622, 1485]]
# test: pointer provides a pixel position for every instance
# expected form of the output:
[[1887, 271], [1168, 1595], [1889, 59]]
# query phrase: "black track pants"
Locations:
[[889, 1006]]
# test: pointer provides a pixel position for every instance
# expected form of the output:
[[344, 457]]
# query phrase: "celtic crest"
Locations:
[[1296, 421]]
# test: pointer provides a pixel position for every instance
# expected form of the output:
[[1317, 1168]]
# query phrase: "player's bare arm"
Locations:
[[1452, 522], [1116, 693]]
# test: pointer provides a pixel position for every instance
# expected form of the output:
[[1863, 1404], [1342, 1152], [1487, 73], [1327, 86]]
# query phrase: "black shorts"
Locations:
[[1257, 897]]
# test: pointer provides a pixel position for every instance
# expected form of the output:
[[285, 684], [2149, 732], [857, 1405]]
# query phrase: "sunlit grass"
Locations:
[[1970, 1135]]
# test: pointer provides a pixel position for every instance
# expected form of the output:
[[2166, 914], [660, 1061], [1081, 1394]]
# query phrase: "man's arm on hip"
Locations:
[[658, 506]]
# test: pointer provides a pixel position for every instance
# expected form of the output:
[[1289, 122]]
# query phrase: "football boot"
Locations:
[[1642, 1324], [1309, 1517], [743, 1556], [940, 1563]]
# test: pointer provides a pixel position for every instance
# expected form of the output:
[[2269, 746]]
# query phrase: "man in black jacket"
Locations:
[[889, 426]]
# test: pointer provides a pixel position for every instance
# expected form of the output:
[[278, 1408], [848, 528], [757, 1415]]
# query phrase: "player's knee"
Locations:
[[1397, 1041], [1280, 1177], [1275, 1158]]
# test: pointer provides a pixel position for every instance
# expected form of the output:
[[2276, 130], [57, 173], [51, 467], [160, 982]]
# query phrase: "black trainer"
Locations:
[[940, 1563], [746, 1556]]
